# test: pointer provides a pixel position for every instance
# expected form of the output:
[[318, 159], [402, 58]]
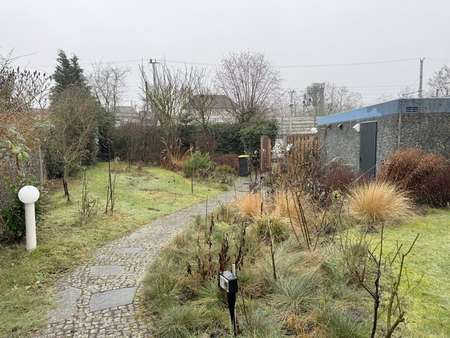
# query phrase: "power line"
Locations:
[[310, 65], [382, 86], [348, 64], [193, 63]]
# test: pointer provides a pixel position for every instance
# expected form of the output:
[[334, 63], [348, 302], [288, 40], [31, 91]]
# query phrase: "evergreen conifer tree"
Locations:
[[67, 73]]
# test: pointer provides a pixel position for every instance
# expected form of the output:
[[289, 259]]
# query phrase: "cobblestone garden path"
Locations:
[[101, 298]]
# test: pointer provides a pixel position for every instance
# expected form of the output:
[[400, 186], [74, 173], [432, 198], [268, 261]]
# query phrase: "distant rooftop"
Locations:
[[219, 102], [126, 110], [425, 105]]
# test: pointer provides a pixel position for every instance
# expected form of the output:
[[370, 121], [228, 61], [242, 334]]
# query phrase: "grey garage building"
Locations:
[[364, 137]]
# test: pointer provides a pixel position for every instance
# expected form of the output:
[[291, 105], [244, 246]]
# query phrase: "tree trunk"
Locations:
[[65, 185], [375, 318]]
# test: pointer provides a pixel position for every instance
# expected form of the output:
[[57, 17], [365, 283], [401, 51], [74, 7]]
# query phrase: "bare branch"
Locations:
[[251, 82]]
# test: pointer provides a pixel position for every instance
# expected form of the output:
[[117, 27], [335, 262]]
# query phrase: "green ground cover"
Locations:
[[313, 296], [427, 281], [26, 279], [309, 298]]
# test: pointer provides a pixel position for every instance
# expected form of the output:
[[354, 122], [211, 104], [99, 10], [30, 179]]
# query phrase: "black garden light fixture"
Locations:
[[228, 282]]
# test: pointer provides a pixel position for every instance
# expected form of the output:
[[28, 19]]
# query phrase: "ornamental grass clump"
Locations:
[[379, 202], [250, 205], [282, 205]]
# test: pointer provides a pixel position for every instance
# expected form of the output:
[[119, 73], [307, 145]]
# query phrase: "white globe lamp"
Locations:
[[28, 195]]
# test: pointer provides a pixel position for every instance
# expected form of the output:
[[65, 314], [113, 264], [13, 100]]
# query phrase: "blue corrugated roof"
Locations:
[[426, 105], [369, 112]]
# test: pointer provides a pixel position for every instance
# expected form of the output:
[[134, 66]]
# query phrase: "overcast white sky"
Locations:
[[288, 32]]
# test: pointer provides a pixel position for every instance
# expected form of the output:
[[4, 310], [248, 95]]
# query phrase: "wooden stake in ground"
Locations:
[[272, 252]]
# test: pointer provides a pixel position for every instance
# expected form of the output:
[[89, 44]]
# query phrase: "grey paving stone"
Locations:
[[107, 304], [112, 298], [106, 270], [66, 304]]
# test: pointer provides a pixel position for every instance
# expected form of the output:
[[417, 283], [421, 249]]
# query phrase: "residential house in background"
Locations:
[[220, 107], [127, 114]]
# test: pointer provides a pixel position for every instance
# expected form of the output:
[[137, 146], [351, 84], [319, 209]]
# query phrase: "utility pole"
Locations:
[[421, 78], [292, 108], [153, 62], [321, 103]]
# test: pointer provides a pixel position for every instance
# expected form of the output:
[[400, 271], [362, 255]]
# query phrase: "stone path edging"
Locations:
[[101, 298]]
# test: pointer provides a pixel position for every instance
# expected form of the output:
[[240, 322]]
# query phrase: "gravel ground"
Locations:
[[101, 298]]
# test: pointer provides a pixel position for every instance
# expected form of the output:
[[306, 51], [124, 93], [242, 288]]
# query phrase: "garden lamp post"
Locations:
[[28, 195]]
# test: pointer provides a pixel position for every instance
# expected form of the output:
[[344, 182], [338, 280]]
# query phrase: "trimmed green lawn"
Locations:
[[427, 273], [27, 279]]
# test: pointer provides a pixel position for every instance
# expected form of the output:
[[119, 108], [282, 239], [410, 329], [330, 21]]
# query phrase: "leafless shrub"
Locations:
[[241, 249], [380, 275], [224, 257], [110, 191], [425, 175], [87, 206], [23, 95]]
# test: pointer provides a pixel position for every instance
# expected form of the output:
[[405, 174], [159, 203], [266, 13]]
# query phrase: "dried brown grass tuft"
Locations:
[[280, 204], [379, 201], [250, 205]]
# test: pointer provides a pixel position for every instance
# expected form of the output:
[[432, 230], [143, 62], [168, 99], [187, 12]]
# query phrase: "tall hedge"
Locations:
[[134, 142], [250, 133], [230, 138]]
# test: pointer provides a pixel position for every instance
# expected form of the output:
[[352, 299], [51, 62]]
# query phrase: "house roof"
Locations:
[[424, 105], [126, 110], [221, 102]]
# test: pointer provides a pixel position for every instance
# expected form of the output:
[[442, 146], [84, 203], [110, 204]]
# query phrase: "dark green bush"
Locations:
[[226, 137], [12, 215], [251, 133], [198, 162], [224, 174]]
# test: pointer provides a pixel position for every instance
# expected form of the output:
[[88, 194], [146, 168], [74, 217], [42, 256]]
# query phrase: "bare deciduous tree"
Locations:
[[340, 98], [73, 119], [169, 97], [440, 82], [108, 83], [251, 82]]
